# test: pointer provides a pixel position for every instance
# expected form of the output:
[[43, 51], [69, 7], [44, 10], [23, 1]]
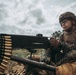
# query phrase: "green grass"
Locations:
[[20, 52], [23, 52]]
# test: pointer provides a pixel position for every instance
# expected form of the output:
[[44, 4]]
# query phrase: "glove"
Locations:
[[54, 42], [46, 60]]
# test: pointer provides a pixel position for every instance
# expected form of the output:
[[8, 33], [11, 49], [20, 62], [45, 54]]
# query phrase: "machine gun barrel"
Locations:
[[33, 63]]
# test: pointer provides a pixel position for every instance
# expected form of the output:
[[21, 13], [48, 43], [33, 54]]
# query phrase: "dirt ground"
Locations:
[[15, 68]]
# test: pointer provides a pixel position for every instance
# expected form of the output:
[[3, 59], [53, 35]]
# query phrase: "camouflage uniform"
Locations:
[[69, 38], [70, 52]]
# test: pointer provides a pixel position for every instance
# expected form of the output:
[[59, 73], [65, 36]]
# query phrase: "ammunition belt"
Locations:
[[5, 51]]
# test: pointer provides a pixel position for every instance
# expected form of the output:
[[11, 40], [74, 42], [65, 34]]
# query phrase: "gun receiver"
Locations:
[[28, 42]]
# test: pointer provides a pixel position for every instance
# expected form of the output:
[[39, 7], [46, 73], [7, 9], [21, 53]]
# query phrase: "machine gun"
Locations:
[[8, 42]]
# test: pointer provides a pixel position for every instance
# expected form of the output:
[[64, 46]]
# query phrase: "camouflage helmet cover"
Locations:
[[67, 15]]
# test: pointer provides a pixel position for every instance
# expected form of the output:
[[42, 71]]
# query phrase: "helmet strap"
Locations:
[[73, 22]]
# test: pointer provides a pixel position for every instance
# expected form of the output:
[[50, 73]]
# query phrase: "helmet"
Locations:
[[67, 15]]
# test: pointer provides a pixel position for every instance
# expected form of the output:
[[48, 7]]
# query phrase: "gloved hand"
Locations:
[[46, 60], [54, 42]]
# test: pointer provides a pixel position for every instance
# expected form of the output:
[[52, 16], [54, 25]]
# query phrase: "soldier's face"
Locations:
[[66, 25]]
